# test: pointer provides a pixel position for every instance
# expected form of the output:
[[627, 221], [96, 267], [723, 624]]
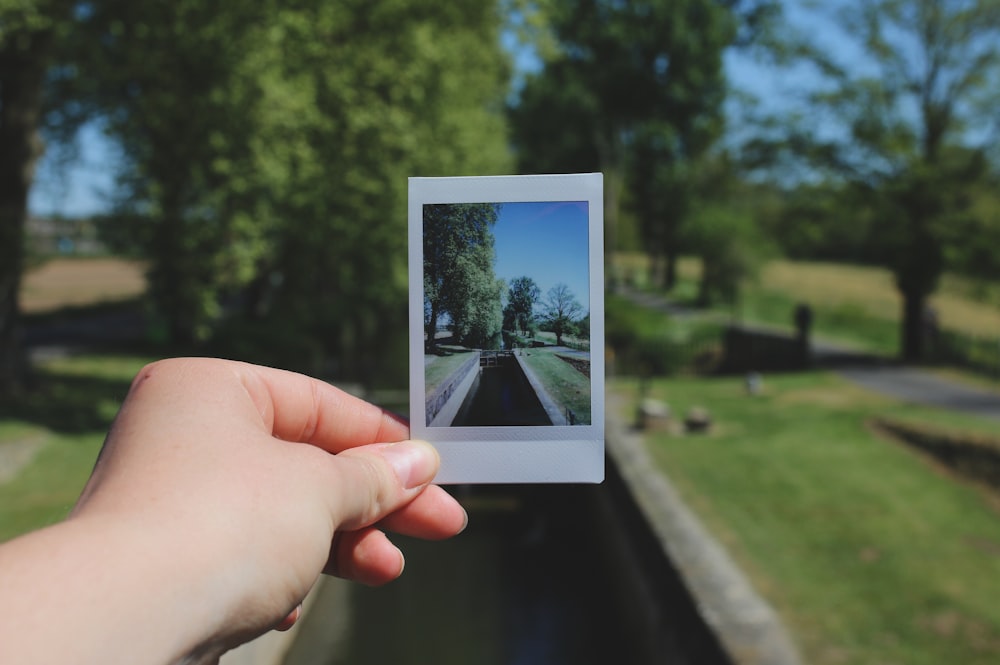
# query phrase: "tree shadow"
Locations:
[[67, 403]]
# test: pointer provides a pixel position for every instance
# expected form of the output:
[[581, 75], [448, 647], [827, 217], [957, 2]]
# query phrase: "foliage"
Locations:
[[903, 142], [614, 70], [628, 92], [561, 311], [29, 39], [522, 294], [731, 248], [267, 148], [459, 280]]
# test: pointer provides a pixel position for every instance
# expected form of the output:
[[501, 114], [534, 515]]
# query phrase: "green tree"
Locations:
[[630, 93], [29, 34], [459, 279], [730, 247], [268, 147], [179, 87], [561, 310], [909, 145], [522, 294], [370, 94]]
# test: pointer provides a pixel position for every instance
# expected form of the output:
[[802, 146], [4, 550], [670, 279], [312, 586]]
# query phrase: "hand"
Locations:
[[205, 502]]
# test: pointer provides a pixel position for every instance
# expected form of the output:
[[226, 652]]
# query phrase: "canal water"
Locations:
[[501, 396], [527, 583]]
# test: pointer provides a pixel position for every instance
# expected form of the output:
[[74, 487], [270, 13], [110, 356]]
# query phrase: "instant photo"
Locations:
[[507, 326]]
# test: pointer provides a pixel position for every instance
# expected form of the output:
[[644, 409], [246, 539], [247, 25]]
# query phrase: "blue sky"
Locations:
[[547, 242]]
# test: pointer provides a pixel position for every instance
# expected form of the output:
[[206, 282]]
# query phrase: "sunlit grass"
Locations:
[[567, 386], [857, 305], [441, 367], [68, 413], [870, 553]]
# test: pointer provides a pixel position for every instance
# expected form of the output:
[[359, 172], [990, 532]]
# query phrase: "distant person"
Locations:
[[222, 492]]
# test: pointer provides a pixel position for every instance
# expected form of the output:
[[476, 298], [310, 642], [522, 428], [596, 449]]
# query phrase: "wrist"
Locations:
[[110, 587]]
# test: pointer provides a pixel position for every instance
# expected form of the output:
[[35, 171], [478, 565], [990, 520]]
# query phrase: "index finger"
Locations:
[[299, 408]]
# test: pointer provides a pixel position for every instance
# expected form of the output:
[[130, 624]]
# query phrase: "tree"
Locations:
[[730, 247], [28, 42], [459, 280], [522, 294], [561, 310], [631, 94], [268, 146], [907, 139], [367, 95]]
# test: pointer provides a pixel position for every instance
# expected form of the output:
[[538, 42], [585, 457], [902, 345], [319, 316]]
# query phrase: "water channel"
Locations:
[[529, 582], [501, 396]]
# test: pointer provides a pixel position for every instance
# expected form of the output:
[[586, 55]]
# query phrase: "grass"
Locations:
[[870, 553], [69, 408], [568, 387], [568, 340], [441, 367], [857, 305]]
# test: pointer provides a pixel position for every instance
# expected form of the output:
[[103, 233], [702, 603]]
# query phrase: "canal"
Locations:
[[543, 575], [501, 396]]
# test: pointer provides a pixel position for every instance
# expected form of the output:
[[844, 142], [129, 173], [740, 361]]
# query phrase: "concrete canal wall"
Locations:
[[443, 404], [685, 602]]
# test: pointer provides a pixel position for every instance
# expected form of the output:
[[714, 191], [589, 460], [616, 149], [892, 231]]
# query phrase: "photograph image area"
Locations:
[[506, 299]]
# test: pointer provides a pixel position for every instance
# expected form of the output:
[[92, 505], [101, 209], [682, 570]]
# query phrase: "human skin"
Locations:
[[222, 492]]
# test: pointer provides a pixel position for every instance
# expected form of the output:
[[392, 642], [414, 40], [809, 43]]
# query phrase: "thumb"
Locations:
[[379, 479]]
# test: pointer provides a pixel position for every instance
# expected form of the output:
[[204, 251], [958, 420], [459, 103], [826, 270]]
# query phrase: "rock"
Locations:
[[698, 420], [653, 414]]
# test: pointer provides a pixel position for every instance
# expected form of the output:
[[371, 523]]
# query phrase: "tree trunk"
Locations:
[[22, 72], [670, 270], [913, 325]]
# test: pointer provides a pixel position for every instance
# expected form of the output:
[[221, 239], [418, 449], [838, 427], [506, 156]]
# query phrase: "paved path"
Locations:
[[923, 387], [875, 373]]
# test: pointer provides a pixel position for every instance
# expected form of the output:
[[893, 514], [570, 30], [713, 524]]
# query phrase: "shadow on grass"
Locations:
[[67, 403]]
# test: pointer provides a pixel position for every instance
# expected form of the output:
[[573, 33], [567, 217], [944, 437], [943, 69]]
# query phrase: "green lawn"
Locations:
[[68, 413], [441, 367], [568, 387], [870, 553]]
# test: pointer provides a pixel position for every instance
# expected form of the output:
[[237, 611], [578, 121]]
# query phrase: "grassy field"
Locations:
[[568, 387], [439, 368], [853, 304], [870, 552], [66, 414]]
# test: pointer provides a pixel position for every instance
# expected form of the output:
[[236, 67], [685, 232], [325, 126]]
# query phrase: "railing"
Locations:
[[493, 358]]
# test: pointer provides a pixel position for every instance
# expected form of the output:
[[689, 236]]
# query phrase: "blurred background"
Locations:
[[803, 274]]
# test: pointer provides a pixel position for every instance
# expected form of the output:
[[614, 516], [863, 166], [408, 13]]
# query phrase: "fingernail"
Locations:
[[414, 462]]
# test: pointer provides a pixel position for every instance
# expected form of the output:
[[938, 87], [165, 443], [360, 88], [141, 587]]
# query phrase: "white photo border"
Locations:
[[522, 454]]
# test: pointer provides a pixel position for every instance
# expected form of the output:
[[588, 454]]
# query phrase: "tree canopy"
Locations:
[[522, 294], [459, 277], [905, 132], [561, 311], [266, 150]]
